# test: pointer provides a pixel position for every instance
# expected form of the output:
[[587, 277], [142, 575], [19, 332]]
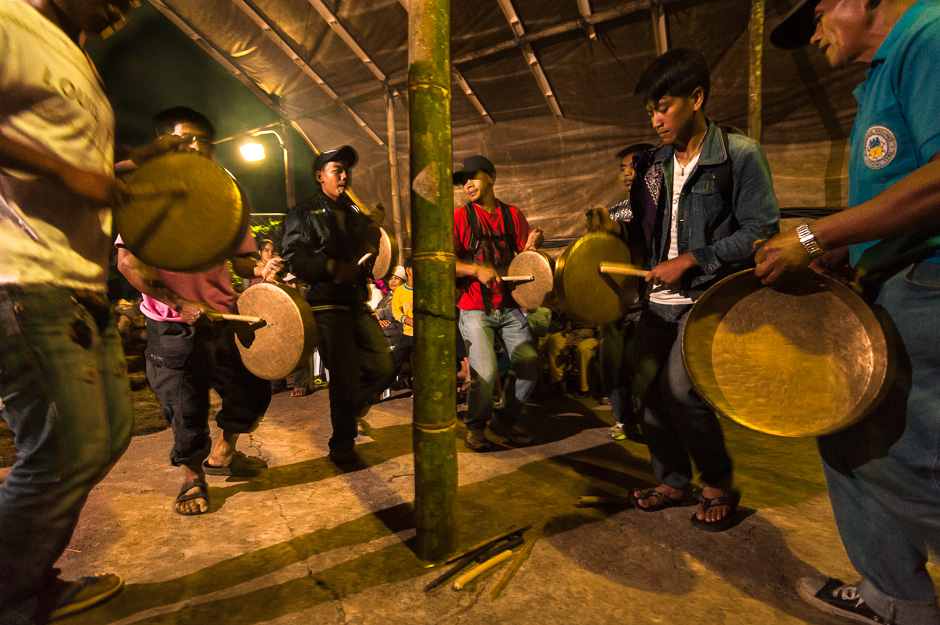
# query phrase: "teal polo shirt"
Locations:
[[897, 127]]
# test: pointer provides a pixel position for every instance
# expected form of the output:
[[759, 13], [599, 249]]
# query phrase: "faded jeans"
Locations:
[[479, 330], [883, 473], [66, 398], [678, 426]]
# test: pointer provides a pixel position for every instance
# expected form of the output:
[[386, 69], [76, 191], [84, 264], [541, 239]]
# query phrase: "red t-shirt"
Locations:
[[472, 298]]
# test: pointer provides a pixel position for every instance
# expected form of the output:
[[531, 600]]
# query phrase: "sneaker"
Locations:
[[603, 401], [833, 597], [517, 434], [85, 592], [617, 433], [477, 441]]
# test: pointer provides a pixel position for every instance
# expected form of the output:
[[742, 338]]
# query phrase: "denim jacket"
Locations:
[[312, 237], [727, 204]]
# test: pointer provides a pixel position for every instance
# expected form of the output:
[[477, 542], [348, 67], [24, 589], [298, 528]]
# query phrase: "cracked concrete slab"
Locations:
[[305, 542]]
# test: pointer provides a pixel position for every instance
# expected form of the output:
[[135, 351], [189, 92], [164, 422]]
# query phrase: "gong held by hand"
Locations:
[[595, 281], [182, 212]]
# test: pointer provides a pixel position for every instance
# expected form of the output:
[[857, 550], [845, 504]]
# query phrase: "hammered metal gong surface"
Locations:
[[183, 212], [804, 358], [534, 293], [387, 255], [587, 295], [284, 341]]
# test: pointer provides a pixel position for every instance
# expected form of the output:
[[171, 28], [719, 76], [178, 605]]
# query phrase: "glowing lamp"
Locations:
[[252, 151]]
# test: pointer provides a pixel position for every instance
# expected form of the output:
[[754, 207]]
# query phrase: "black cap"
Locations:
[[345, 155], [471, 166], [797, 27]]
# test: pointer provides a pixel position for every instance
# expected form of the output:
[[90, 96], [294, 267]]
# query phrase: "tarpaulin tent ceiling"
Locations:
[[542, 87]]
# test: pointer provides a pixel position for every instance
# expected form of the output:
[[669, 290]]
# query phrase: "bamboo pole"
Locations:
[[398, 223], [432, 201], [756, 79]]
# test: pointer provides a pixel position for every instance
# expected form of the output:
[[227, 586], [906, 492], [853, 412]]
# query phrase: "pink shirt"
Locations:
[[212, 287]]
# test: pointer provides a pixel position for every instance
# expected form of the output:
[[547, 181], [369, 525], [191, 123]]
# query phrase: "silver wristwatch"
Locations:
[[808, 239]]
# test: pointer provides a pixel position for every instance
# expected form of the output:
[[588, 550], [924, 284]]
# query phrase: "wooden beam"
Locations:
[[584, 8], [349, 40], [660, 35], [294, 55], [532, 61], [627, 8], [468, 91]]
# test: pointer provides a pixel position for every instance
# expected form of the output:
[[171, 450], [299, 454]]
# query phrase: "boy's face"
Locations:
[[333, 179], [840, 27], [673, 117], [626, 170], [202, 141], [267, 252], [479, 186]]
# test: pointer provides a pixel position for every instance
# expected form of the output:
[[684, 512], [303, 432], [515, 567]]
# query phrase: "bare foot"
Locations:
[[678, 495], [223, 450], [299, 392]]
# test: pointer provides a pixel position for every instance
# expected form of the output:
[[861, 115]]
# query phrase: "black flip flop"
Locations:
[[668, 502], [724, 522], [203, 493]]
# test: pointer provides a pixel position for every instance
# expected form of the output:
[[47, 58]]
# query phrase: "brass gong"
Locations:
[[183, 212], [531, 294], [804, 358], [284, 340], [587, 294]]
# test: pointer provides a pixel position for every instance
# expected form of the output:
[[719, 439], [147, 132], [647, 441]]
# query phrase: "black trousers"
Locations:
[[183, 363], [356, 352]]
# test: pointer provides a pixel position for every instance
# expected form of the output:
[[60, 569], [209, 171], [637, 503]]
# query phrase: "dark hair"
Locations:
[[633, 149], [165, 122], [408, 262], [264, 242], [676, 73]]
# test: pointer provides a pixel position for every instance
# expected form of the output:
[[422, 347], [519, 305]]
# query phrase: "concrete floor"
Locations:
[[307, 543]]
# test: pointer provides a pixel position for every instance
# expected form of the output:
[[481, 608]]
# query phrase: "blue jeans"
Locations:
[[479, 331], [66, 398], [678, 426], [356, 352], [883, 473]]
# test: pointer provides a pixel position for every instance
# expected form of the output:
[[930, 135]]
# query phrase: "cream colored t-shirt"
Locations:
[[660, 294], [51, 100]]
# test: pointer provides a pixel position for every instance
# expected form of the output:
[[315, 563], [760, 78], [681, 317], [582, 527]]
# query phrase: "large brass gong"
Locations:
[[589, 295], [183, 212], [284, 340], [805, 358]]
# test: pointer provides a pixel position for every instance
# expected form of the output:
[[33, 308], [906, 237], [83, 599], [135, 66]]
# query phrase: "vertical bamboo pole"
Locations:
[[288, 148], [756, 80], [432, 201], [397, 221]]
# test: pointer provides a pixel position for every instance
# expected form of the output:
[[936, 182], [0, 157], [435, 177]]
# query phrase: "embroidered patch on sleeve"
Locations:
[[880, 147]]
